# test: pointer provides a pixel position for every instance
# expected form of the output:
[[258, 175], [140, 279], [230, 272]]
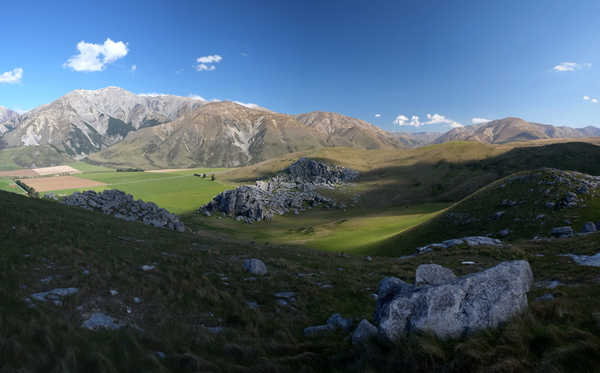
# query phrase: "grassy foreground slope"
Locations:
[[198, 283]]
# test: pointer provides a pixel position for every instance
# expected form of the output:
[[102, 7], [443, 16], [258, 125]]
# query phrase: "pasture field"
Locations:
[[179, 192], [47, 184], [8, 185]]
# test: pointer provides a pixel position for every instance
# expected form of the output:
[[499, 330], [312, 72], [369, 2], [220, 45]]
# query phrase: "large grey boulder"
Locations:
[[466, 304], [433, 274], [471, 241], [255, 267]]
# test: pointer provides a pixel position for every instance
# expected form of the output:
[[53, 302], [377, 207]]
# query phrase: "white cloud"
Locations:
[[94, 57], [248, 105], [586, 98], [203, 67], [595, 100], [377, 115], [215, 58], [590, 99], [196, 97], [12, 76], [133, 67], [479, 120], [206, 63], [415, 121], [571, 66]]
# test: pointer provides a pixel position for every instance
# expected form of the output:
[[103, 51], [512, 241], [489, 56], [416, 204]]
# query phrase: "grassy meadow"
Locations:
[[179, 192]]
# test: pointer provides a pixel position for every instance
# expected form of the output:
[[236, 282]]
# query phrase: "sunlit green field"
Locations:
[[356, 231], [179, 192], [8, 185]]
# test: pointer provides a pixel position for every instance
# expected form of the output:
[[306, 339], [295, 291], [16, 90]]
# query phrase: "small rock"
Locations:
[[255, 267], [468, 262], [147, 267], [504, 233], [54, 295], [98, 320], [137, 300], [589, 227], [562, 232], [317, 331], [114, 292], [363, 333], [368, 259], [544, 297], [336, 321]]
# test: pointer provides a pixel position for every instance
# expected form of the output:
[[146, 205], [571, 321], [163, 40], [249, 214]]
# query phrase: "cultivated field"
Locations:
[[46, 184]]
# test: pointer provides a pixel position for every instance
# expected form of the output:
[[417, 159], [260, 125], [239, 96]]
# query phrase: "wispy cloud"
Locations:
[[590, 99], [206, 63], [133, 67], [377, 115], [571, 66], [12, 76], [479, 120], [415, 121], [94, 57]]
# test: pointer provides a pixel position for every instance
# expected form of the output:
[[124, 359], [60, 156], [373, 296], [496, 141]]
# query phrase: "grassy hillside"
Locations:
[[198, 283], [31, 157]]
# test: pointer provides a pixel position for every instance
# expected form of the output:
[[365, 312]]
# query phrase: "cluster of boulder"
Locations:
[[123, 206], [471, 241], [441, 303], [295, 189]]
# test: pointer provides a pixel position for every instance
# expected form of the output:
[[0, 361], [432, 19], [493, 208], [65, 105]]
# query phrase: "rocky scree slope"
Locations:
[[293, 189], [123, 206], [83, 121]]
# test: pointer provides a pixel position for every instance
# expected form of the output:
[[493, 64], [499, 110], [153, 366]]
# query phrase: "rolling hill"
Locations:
[[507, 130]]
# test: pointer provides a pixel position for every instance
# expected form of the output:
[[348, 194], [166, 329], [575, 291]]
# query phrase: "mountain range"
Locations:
[[507, 130], [115, 126]]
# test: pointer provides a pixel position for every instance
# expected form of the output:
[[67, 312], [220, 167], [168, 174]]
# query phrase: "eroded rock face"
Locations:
[[292, 190], [123, 206], [458, 306]]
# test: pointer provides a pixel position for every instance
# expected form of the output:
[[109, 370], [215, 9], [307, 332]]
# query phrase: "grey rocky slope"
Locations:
[[85, 121], [123, 206], [295, 189], [514, 129], [218, 134], [448, 306], [8, 118]]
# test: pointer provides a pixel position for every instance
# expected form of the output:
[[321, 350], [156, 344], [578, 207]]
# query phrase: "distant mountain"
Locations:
[[341, 130], [7, 119], [83, 122], [514, 129], [414, 139], [218, 134]]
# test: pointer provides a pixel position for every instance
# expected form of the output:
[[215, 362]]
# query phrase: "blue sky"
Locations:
[[453, 60]]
